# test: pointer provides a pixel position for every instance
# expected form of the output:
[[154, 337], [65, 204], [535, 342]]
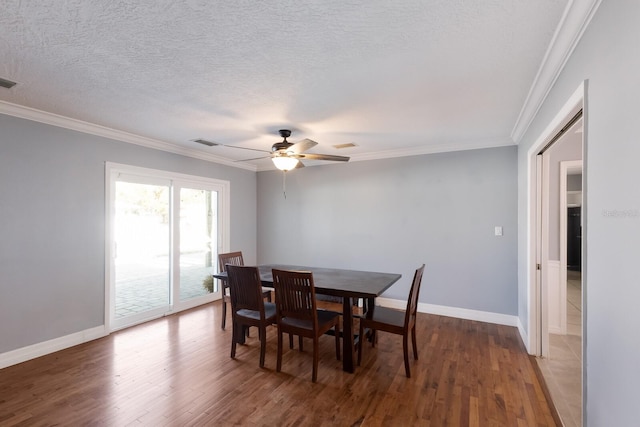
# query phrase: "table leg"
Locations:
[[371, 304], [347, 336]]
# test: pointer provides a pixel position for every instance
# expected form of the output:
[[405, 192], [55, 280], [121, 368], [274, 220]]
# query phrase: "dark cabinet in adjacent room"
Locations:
[[574, 239]]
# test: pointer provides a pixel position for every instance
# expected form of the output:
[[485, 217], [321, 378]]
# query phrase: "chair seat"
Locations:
[[269, 312], [324, 316], [388, 316]]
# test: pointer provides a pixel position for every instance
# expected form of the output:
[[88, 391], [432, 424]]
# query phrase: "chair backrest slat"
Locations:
[[412, 302], [233, 258], [245, 288], [295, 295]]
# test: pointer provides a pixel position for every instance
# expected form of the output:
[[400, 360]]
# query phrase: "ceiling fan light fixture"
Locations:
[[285, 163]]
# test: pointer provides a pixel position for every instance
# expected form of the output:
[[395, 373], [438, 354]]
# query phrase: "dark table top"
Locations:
[[333, 281]]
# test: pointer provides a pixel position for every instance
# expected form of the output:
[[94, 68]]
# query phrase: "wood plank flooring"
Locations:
[[176, 371]]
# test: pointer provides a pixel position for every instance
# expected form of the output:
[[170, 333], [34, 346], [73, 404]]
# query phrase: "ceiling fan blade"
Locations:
[[238, 147], [299, 165], [313, 156], [302, 146], [255, 158]]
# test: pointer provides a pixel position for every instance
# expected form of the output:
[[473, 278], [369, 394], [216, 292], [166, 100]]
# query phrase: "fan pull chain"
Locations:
[[284, 184]]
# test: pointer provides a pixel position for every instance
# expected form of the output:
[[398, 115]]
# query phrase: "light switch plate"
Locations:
[[498, 231]]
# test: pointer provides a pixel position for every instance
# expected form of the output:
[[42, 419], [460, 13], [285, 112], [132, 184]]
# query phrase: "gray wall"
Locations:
[[574, 182], [393, 215], [52, 224], [609, 58]]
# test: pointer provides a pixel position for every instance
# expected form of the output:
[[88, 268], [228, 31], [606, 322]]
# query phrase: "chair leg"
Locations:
[[413, 338], [314, 375], [405, 349], [234, 333], [262, 332], [290, 341], [224, 312], [337, 330], [300, 342], [279, 361], [360, 343]]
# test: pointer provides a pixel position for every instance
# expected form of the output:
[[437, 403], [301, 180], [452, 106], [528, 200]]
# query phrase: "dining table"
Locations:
[[347, 284]]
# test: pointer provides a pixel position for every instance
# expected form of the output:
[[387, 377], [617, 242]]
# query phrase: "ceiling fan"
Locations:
[[288, 155]]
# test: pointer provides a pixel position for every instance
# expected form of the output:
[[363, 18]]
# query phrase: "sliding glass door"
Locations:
[[197, 241], [164, 235], [142, 245]]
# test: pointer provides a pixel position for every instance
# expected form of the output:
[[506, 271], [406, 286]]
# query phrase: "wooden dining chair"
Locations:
[[297, 313], [233, 258], [248, 307], [396, 322]]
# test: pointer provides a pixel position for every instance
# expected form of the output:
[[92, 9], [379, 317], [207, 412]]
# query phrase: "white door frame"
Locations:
[[535, 278], [546, 270], [567, 168]]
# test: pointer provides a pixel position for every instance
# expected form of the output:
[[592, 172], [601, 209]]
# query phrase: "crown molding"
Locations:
[[435, 148], [418, 151], [105, 132], [40, 116], [575, 19]]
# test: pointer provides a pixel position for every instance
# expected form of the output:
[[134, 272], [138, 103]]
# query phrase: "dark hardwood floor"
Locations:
[[176, 371]]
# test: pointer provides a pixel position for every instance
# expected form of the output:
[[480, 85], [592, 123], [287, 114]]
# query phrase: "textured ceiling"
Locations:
[[394, 77]]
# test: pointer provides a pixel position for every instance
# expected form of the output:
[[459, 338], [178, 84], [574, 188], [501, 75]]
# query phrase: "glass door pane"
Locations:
[[198, 242], [142, 247]]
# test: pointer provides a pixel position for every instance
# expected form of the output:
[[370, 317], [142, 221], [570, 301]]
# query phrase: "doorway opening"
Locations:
[[561, 353], [556, 293]]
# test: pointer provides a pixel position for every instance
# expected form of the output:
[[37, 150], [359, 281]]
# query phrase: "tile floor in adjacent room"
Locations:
[[563, 370]]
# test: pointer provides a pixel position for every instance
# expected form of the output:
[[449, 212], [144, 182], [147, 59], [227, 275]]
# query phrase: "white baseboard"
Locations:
[[524, 336], [23, 354], [461, 313], [40, 349]]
